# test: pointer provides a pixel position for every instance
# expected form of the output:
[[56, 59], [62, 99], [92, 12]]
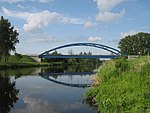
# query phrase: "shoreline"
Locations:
[[121, 85], [4, 66]]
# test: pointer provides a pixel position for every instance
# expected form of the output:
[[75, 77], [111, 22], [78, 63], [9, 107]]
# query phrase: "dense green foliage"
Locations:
[[123, 87], [8, 38], [138, 44]]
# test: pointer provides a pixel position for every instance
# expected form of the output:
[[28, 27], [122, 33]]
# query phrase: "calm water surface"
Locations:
[[47, 91]]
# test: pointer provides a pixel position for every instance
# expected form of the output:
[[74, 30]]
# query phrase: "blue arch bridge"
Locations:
[[114, 52]]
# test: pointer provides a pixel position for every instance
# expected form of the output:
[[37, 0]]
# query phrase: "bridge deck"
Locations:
[[78, 56]]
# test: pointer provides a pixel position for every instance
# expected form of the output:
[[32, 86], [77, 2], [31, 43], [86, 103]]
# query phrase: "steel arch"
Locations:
[[100, 46]]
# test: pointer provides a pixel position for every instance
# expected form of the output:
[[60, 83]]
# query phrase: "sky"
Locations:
[[45, 24]]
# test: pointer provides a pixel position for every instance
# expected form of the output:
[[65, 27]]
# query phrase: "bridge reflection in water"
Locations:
[[60, 78]]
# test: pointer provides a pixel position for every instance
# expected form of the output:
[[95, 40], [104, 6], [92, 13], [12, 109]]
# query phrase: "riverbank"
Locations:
[[122, 86], [14, 62]]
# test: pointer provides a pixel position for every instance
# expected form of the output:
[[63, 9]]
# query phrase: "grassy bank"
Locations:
[[15, 62], [122, 87]]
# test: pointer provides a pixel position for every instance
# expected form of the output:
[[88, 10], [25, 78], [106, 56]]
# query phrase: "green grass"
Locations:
[[15, 62], [14, 59], [124, 87]]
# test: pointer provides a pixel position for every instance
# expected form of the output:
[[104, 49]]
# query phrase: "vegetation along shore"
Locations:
[[122, 86], [19, 61]]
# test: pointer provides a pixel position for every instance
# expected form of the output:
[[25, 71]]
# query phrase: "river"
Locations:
[[45, 90]]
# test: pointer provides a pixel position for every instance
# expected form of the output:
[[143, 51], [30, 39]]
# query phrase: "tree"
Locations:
[[53, 59], [8, 38], [138, 44]]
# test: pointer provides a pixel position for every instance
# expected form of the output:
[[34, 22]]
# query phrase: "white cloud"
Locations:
[[66, 20], [15, 14], [46, 1], [11, 1], [37, 20], [107, 5], [94, 39], [34, 105], [40, 105], [90, 25], [107, 17], [41, 39], [20, 6], [105, 10], [15, 1], [124, 34]]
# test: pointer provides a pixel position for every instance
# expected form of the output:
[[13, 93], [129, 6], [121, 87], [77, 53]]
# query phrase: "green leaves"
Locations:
[[8, 38], [138, 44]]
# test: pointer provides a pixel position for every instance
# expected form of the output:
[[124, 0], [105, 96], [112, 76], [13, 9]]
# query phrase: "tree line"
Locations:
[[83, 61]]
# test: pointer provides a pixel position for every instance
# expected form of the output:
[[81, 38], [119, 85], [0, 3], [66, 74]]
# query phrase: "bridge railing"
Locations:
[[79, 56]]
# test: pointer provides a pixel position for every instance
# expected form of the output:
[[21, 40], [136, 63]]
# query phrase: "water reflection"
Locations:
[[20, 72], [78, 74], [37, 106], [68, 68], [8, 94], [39, 95], [58, 78]]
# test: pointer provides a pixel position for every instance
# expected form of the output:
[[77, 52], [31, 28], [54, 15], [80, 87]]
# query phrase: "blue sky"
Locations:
[[44, 24]]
